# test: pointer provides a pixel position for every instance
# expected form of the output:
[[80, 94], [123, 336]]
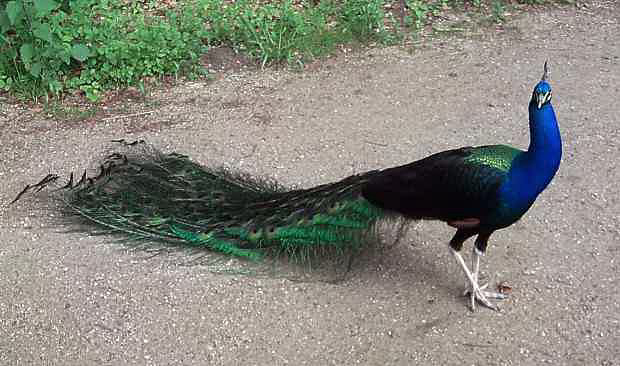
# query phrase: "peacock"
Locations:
[[149, 195]]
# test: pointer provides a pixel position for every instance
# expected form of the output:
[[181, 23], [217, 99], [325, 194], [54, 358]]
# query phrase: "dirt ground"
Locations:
[[72, 299]]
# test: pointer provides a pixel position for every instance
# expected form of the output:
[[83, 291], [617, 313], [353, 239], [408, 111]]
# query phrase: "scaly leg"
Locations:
[[475, 265], [475, 268], [477, 292]]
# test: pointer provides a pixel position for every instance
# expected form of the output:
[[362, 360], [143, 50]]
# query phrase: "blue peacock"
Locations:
[[145, 194]]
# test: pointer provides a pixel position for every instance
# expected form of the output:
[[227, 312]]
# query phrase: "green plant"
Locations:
[[92, 45], [37, 51], [132, 46], [362, 20], [497, 9], [59, 111], [273, 32], [50, 46], [279, 31], [420, 11]]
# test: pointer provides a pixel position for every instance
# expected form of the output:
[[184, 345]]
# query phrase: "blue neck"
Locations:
[[543, 156], [545, 140], [533, 170]]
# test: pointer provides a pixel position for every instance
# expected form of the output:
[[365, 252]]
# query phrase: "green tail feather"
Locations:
[[148, 195]]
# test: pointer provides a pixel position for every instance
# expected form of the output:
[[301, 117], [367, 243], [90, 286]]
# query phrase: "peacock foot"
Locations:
[[478, 293]]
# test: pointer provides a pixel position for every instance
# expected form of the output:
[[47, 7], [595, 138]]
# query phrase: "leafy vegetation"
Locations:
[[282, 31], [51, 46], [48, 46]]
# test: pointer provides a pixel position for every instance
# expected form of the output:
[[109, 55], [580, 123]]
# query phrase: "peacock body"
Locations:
[[146, 194]]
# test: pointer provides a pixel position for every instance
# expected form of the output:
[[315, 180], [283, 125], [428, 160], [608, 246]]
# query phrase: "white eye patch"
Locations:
[[548, 97], [543, 98]]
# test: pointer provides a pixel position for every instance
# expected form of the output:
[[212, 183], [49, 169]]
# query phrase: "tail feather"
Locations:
[[146, 194]]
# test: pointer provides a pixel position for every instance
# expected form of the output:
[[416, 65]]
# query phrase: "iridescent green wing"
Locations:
[[499, 157]]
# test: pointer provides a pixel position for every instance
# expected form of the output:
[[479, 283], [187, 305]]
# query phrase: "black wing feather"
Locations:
[[442, 186]]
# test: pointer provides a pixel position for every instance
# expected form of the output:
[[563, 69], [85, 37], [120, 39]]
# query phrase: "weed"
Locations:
[[279, 33], [63, 112], [498, 10], [50, 46], [421, 10], [362, 20], [90, 45]]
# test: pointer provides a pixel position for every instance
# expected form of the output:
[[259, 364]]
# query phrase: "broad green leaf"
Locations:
[[44, 7], [26, 52], [13, 9], [35, 70], [43, 32], [80, 52]]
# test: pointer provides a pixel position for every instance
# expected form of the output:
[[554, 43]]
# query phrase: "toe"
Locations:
[[482, 298], [494, 295], [484, 301]]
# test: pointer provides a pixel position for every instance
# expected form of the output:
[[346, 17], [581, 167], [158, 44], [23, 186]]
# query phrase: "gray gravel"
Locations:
[[69, 298]]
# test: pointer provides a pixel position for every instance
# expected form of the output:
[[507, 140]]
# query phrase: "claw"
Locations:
[[467, 291], [481, 297]]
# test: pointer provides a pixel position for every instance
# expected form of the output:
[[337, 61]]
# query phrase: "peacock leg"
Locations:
[[456, 244], [477, 292], [475, 265], [475, 268]]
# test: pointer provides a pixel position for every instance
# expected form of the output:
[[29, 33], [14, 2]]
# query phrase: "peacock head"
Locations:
[[542, 91]]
